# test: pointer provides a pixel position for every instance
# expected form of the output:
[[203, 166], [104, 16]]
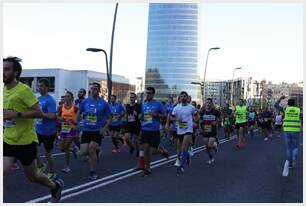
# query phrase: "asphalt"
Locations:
[[249, 175]]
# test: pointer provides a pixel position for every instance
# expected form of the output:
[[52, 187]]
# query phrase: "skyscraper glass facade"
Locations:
[[172, 49]]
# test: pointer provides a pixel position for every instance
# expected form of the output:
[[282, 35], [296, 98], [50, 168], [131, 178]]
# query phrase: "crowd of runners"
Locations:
[[78, 126]]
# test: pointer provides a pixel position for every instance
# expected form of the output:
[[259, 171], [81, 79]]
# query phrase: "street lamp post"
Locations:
[[109, 80], [202, 89], [233, 84], [213, 48]]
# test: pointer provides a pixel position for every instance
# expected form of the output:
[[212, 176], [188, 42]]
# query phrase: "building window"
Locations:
[[52, 83], [28, 81]]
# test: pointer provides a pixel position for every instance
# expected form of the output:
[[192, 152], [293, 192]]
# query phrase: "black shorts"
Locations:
[[88, 137], [115, 128], [277, 126], [243, 124], [24, 153], [150, 137], [266, 125], [47, 140], [133, 129], [250, 123], [181, 136]]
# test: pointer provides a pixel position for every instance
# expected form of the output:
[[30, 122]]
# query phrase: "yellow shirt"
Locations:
[[20, 131]]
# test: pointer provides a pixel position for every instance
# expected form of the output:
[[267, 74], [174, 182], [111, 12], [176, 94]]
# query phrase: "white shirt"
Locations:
[[278, 119], [185, 114]]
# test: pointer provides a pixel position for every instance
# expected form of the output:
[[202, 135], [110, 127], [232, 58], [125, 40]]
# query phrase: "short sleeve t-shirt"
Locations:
[[209, 124], [132, 119], [116, 110], [185, 114], [20, 131], [95, 114], [241, 116], [266, 116], [150, 123], [46, 126]]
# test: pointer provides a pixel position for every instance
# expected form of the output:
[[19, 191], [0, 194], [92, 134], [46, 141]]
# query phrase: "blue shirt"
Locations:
[[168, 108], [78, 102], [148, 122], [46, 126], [95, 114], [116, 110]]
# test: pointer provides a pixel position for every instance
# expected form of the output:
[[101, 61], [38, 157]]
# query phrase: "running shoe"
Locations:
[[210, 161], [266, 139], [180, 169], [177, 163], [15, 166], [191, 153], [66, 169], [93, 176], [165, 153], [115, 150], [56, 194], [286, 169], [42, 167], [51, 175], [146, 173]]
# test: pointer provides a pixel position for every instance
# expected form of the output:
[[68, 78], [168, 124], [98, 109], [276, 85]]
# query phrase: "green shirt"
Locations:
[[20, 131], [241, 115]]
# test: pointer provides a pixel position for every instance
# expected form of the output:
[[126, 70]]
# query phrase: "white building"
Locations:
[[72, 80]]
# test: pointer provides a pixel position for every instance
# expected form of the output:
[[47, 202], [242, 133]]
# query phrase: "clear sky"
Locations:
[[264, 39]]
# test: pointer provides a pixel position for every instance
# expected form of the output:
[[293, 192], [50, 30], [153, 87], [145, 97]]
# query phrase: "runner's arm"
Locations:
[[35, 112]]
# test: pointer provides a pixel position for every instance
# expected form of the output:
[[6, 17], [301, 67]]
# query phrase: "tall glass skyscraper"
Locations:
[[172, 49]]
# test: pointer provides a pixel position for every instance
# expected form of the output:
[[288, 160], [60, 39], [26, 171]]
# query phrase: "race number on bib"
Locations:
[[66, 128], [183, 125], [91, 119], [147, 118], [131, 118], [9, 123], [207, 128]]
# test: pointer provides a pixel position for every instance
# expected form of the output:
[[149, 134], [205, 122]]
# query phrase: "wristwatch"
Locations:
[[19, 114]]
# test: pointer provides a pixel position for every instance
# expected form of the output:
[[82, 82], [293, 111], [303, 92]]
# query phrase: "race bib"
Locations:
[[131, 118], [9, 123], [39, 121], [147, 118], [183, 125], [66, 128], [91, 119], [266, 119], [207, 128], [115, 117]]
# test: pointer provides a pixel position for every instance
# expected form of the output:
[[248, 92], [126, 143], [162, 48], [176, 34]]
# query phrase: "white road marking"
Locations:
[[133, 172]]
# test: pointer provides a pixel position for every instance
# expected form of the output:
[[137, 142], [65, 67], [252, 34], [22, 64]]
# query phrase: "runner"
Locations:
[[208, 122], [81, 97], [116, 125], [94, 117], [278, 122], [77, 140], [132, 125], [163, 120], [183, 115], [150, 137], [171, 127], [67, 116], [241, 123], [251, 121], [227, 114], [292, 128], [20, 107], [169, 109], [267, 123], [46, 126]]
